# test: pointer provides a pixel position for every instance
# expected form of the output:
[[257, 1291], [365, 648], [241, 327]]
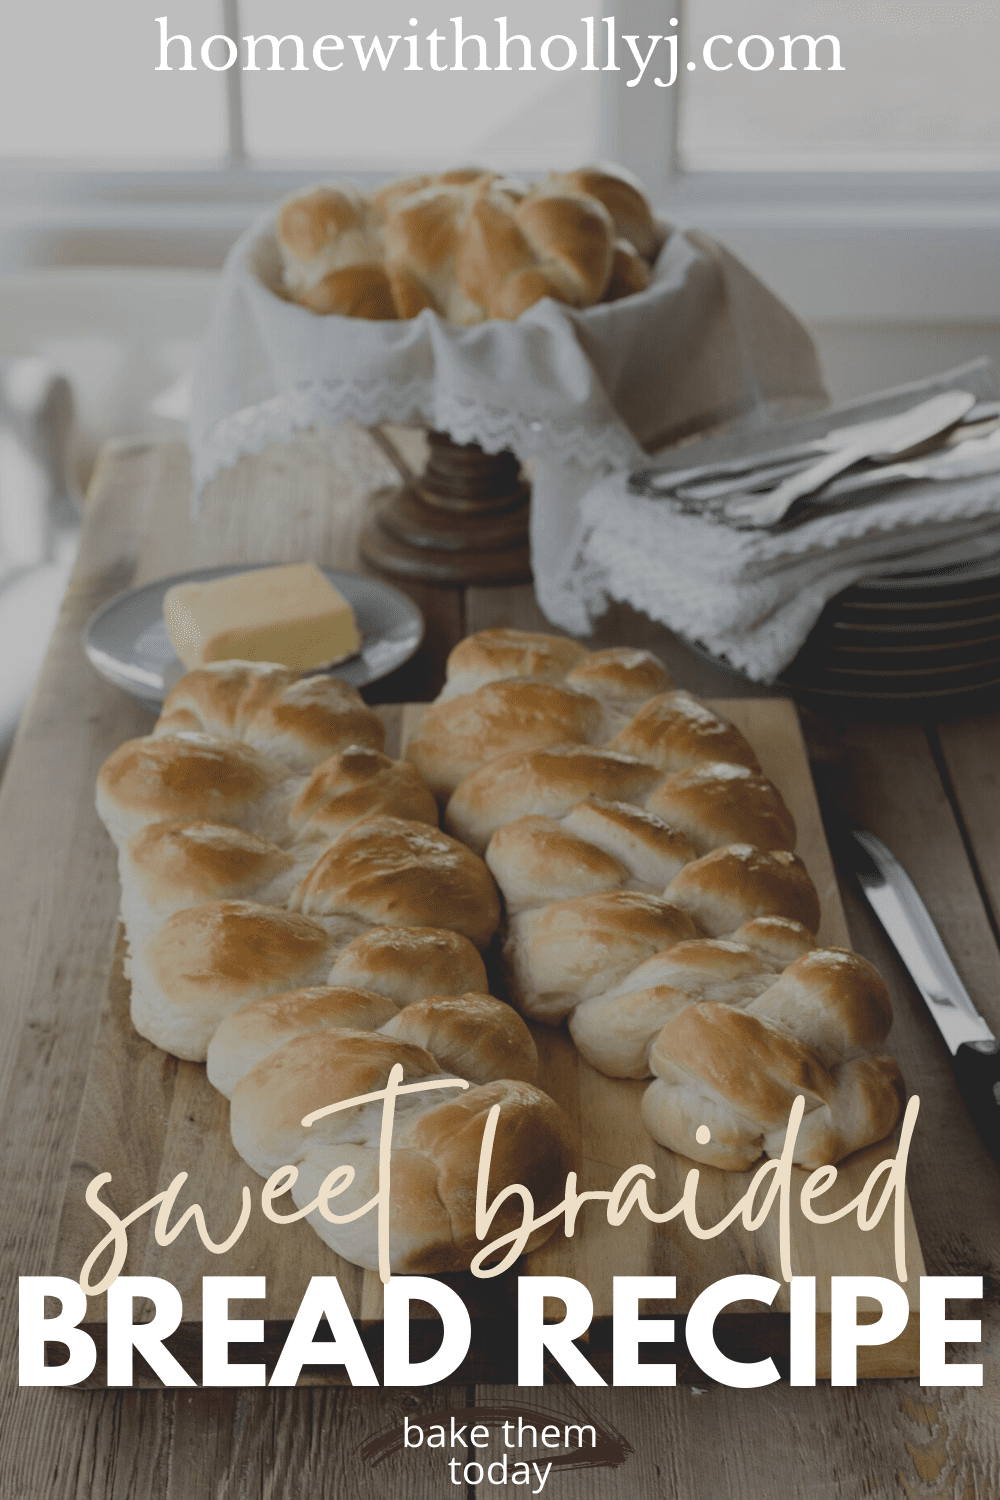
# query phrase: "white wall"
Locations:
[[862, 357]]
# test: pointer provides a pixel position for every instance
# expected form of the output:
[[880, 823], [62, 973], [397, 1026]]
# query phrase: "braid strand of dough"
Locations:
[[653, 899]]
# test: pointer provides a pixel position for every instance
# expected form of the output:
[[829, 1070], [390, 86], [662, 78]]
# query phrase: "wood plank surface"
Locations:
[[889, 1440]]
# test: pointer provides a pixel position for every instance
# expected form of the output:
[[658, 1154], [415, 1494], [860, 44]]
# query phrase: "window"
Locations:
[[397, 119], [918, 90], [869, 192]]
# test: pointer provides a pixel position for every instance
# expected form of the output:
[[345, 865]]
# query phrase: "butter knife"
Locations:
[[975, 1051]]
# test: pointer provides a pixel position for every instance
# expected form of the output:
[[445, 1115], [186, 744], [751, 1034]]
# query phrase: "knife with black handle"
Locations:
[[975, 1051]]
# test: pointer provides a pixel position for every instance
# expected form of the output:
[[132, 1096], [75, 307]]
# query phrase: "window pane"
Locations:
[[919, 88], [79, 81], [398, 119]]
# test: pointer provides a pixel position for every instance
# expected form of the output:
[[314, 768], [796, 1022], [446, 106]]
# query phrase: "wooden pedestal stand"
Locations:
[[464, 522]]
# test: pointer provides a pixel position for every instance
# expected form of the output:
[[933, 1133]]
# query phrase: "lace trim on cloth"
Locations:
[[328, 403]]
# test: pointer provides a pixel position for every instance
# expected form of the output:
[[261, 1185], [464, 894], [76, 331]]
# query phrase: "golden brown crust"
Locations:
[[309, 1073], [535, 860], [466, 243], [208, 960], [675, 731], [615, 1030], [719, 804], [308, 222], [779, 940], [409, 963], [532, 1145], [630, 273], [650, 849], [395, 872], [199, 861], [356, 784], [491, 655], [739, 1073], [352, 292], [752, 1063], [623, 196], [560, 954], [500, 718], [298, 718], [248, 1035], [730, 886], [233, 943], [471, 1035], [621, 676], [221, 698], [549, 781], [409, 294], [197, 777], [836, 997], [435, 1152]]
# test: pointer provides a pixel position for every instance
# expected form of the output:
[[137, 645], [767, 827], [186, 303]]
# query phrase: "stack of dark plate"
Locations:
[[912, 638]]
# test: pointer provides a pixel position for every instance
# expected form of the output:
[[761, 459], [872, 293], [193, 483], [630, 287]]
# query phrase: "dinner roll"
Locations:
[[549, 244], [630, 272], [331, 255], [623, 195]]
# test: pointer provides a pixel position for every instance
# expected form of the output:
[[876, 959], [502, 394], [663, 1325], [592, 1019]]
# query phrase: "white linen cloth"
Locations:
[[752, 597], [579, 393]]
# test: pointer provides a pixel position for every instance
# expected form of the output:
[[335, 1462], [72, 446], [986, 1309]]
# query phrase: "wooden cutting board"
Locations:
[[146, 1117]]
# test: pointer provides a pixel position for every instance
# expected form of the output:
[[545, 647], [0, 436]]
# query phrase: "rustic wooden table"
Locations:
[[929, 788]]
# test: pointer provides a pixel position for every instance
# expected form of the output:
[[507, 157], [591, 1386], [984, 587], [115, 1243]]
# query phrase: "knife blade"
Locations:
[[975, 1051]]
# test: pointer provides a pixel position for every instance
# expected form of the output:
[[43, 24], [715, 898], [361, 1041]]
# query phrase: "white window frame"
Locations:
[[860, 247]]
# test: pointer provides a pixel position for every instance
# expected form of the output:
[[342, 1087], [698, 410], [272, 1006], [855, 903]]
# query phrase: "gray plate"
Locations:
[[127, 641]]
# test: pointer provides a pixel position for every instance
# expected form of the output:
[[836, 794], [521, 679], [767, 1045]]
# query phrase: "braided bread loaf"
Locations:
[[239, 865], [647, 871], [295, 916], [467, 244]]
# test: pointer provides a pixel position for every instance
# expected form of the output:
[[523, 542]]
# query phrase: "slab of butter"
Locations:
[[292, 615]]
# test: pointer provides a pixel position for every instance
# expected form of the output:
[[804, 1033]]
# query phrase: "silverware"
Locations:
[[889, 438], [966, 461], [761, 479], [663, 482], [975, 1051]]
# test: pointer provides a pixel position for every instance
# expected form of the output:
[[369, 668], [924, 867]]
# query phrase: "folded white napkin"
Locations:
[[753, 597]]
